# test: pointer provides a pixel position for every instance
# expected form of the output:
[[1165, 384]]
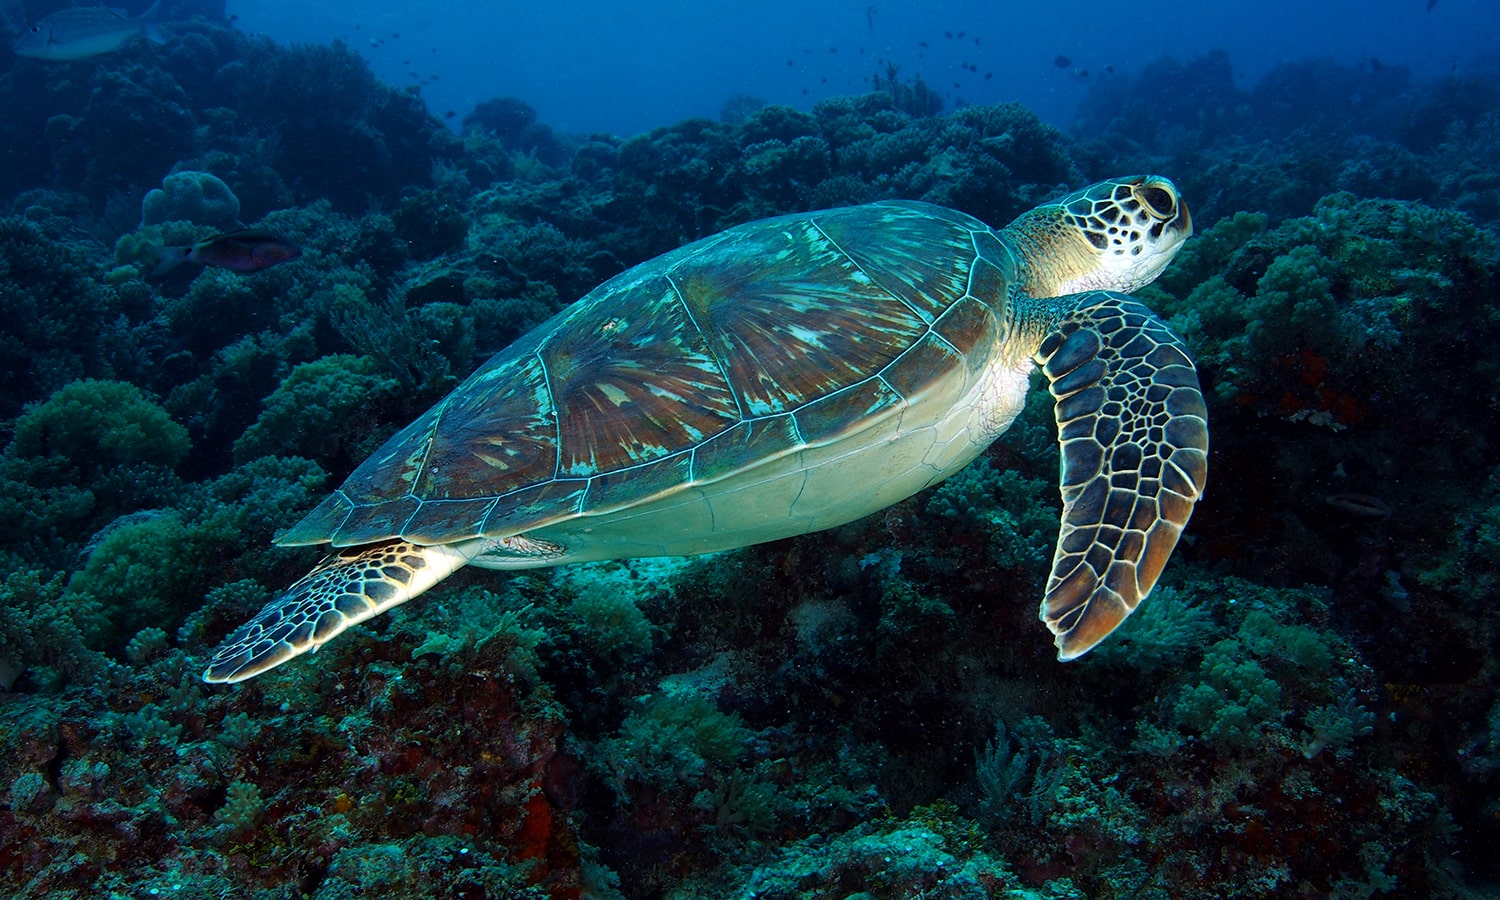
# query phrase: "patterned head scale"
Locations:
[[1115, 235]]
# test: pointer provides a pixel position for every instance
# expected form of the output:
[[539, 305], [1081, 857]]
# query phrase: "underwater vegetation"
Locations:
[[1306, 707]]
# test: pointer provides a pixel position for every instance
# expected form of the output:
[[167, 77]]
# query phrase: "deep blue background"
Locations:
[[624, 67]]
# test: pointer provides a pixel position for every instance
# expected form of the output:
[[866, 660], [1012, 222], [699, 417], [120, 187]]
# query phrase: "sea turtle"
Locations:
[[781, 377]]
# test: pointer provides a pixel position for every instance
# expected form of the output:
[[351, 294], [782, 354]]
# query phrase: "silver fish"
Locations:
[[85, 31]]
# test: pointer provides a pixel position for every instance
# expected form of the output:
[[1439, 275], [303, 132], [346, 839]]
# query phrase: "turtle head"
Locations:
[[1116, 235]]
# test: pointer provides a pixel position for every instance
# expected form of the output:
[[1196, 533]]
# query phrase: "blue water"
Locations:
[[628, 67]]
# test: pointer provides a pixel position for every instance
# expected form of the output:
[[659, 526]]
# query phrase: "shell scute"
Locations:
[[624, 488], [634, 381], [441, 520], [536, 503], [987, 246], [847, 411], [754, 439], [500, 426], [790, 315], [933, 211], [915, 370], [325, 519], [987, 280], [915, 251], [378, 518], [966, 325]]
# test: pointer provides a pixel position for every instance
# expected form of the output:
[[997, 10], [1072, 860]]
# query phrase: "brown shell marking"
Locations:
[[687, 367]]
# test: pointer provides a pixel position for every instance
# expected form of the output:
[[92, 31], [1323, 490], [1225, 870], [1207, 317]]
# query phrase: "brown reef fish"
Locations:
[[244, 251]]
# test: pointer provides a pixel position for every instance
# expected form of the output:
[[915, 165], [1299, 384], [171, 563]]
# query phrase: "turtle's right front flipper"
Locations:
[[1134, 433]]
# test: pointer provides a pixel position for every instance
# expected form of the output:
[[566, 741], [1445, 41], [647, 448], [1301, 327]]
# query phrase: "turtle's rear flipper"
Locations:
[[1134, 434], [344, 589]]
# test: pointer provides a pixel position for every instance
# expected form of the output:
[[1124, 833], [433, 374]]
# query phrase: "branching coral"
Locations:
[[47, 635], [61, 323], [88, 427], [93, 451], [317, 412], [672, 743], [241, 810], [1234, 703], [1334, 725], [1166, 629], [141, 573], [609, 617]]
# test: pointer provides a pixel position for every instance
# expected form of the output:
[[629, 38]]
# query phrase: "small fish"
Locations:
[[1431, 4], [1361, 506], [1062, 62], [85, 31], [244, 251]]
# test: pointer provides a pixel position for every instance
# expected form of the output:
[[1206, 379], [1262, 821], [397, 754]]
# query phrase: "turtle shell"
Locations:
[[685, 370]]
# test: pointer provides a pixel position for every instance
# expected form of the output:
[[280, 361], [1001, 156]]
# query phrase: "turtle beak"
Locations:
[[1184, 221]]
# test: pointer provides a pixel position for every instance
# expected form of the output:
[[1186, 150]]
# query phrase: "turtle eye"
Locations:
[[1159, 199]]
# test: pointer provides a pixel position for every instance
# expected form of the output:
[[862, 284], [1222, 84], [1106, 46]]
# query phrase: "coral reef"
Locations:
[[1305, 707]]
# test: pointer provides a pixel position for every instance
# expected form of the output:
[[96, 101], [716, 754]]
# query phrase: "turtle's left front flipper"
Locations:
[[1134, 434], [346, 588]]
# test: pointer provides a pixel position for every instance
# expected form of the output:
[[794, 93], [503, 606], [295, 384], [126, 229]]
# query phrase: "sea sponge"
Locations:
[[198, 197]]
